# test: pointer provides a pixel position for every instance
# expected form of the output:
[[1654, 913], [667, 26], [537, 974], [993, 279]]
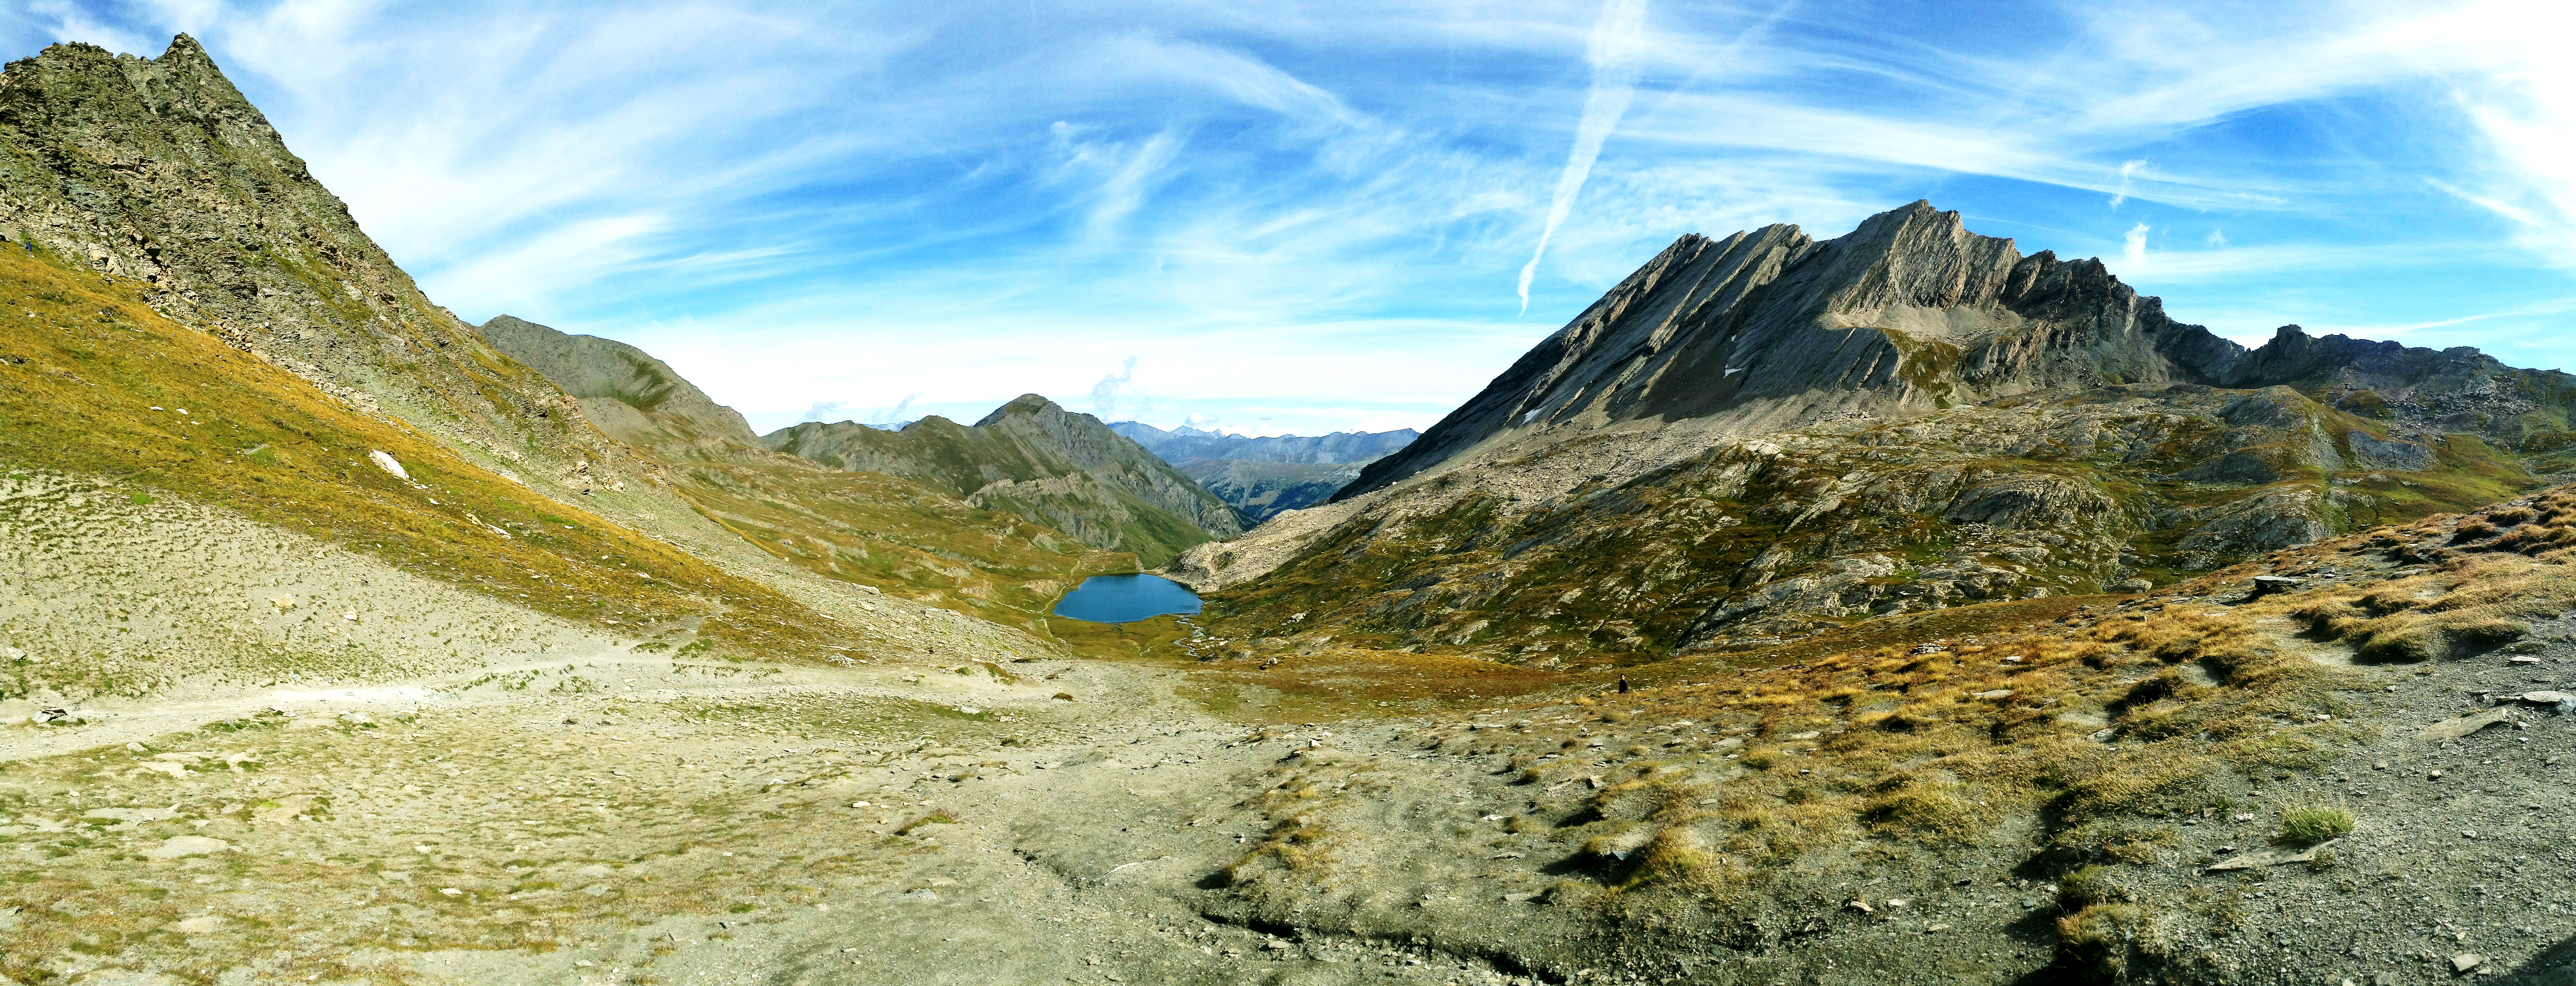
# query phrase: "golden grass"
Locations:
[[78, 384]]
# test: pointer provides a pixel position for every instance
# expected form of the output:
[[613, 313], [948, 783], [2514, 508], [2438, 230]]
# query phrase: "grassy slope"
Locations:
[[876, 530], [79, 379], [1623, 573], [960, 460]]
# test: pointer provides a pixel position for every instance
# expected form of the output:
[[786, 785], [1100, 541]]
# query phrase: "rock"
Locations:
[[283, 603], [451, 892], [2274, 856], [2265, 585], [1518, 896], [187, 845], [2464, 725], [1861, 906], [2547, 698], [53, 714], [388, 464], [2522, 659], [2466, 961], [199, 925], [1996, 695], [135, 748]]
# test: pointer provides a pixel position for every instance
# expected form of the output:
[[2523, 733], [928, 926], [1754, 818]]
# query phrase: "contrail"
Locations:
[[1616, 39]]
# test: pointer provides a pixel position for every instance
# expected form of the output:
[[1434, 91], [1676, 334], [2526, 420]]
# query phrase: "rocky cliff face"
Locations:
[[1033, 458], [1765, 435], [158, 171], [630, 395]]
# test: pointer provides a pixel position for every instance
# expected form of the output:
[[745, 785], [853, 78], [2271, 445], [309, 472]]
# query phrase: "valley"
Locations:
[[1885, 608]]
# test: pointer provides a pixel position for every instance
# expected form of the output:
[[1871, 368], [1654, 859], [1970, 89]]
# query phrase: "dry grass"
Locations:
[[80, 379]]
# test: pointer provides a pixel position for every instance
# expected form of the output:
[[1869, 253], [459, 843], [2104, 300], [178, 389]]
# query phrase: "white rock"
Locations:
[[201, 924], [388, 464]]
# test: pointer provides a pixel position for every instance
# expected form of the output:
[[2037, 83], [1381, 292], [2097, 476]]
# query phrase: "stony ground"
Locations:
[[535, 802]]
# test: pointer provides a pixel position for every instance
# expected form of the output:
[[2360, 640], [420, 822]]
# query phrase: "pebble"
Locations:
[[2466, 961]]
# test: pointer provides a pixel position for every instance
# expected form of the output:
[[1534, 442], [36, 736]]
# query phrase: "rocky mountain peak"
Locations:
[[1023, 406], [1908, 314]]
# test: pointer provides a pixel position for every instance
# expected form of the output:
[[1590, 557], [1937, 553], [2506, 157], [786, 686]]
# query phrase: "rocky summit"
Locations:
[[1892, 608]]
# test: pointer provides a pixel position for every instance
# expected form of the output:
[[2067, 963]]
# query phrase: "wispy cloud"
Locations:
[[1300, 210], [2128, 172], [1114, 390], [1616, 41]]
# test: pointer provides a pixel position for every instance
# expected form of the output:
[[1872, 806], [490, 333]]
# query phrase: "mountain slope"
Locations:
[[158, 172], [1262, 490], [1262, 477], [1766, 436], [630, 395], [157, 177], [1770, 330], [1341, 447], [93, 383], [866, 528], [1037, 460]]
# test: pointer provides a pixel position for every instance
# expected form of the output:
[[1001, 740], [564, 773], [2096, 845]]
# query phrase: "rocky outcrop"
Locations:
[[630, 395], [1033, 458]]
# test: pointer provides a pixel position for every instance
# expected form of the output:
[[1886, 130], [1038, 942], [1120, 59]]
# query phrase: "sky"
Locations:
[[1300, 217]]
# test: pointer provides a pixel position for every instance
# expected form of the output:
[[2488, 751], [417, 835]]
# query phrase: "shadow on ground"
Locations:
[[2554, 966]]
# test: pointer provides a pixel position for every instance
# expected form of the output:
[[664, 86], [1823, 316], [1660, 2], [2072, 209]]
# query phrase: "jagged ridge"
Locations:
[[1769, 330]]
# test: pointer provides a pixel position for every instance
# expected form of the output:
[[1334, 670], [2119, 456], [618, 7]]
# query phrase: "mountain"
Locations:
[[875, 530], [1763, 436], [1037, 460], [1185, 443], [152, 193], [1262, 490], [1771, 330], [630, 395], [159, 174], [1262, 477]]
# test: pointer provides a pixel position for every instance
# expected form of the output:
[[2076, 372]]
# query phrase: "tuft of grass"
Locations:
[[2313, 822], [941, 817]]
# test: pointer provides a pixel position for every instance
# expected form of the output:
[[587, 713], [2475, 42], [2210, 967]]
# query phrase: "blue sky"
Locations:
[[1304, 217]]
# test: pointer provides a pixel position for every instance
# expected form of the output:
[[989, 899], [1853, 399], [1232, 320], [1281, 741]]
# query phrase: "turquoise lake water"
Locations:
[[1124, 598]]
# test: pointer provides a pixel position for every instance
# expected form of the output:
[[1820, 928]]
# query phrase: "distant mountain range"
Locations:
[[1263, 476]]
